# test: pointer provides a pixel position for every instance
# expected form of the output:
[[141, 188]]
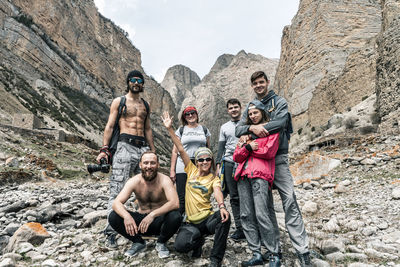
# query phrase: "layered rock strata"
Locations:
[[328, 58], [388, 68], [64, 62]]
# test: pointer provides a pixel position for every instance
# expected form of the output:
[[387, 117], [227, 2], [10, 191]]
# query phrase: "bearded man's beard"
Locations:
[[149, 175], [137, 91]]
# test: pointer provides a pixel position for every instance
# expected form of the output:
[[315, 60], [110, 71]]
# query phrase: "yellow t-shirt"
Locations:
[[198, 192]]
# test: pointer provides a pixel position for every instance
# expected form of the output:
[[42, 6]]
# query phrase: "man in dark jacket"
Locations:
[[280, 121]]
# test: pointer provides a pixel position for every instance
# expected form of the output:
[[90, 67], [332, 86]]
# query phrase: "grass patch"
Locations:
[[68, 174]]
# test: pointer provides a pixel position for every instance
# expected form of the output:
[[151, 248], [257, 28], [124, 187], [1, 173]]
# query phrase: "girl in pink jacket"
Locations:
[[255, 175]]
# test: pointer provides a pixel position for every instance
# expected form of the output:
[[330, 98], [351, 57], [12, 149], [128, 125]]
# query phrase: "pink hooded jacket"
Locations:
[[259, 163]]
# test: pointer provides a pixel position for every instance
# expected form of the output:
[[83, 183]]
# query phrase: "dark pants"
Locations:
[[233, 192], [190, 236], [181, 189], [165, 226]]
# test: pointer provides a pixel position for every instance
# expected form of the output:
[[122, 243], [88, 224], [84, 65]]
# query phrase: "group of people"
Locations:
[[252, 157]]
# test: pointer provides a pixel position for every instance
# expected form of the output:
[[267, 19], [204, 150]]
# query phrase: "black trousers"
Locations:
[[181, 190], [233, 192], [165, 226], [191, 236]]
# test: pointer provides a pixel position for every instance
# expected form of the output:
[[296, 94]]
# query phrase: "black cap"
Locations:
[[134, 73]]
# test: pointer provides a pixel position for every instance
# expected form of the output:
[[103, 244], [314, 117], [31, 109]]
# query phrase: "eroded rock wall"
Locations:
[[388, 68], [65, 62], [328, 58]]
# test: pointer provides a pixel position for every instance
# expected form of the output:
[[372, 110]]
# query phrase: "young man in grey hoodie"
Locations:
[[280, 121]]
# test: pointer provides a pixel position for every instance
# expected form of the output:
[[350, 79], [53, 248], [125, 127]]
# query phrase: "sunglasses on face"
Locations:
[[190, 113], [133, 80], [204, 159]]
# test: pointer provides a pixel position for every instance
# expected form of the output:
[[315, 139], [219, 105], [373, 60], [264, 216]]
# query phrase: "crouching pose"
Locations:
[[255, 175], [201, 219], [158, 208]]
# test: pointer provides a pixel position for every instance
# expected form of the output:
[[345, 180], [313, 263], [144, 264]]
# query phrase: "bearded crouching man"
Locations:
[[135, 138], [158, 208]]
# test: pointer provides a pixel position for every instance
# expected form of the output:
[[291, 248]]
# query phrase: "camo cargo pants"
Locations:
[[125, 165]]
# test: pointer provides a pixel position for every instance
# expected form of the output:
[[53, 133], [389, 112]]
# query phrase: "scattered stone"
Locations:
[[340, 188], [332, 226], [320, 263], [368, 161], [33, 233], [310, 207], [336, 256], [14, 256], [11, 228], [50, 263], [91, 218], [7, 262], [12, 162], [369, 230], [328, 186], [14, 207], [174, 263], [396, 193], [330, 246]]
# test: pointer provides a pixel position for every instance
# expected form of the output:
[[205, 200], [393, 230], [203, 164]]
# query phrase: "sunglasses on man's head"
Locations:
[[204, 159], [192, 112], [133, 80]]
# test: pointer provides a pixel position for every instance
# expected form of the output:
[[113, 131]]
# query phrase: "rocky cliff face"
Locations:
[[179, 82], [65, 62], [328, 58], [228, 78], [388, 67]]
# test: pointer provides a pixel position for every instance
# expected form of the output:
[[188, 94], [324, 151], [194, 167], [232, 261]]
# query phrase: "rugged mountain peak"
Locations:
[[179, 82], [222, 62], [229, 78]]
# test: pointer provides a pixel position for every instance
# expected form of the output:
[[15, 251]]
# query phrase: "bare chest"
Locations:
[[135, 110]]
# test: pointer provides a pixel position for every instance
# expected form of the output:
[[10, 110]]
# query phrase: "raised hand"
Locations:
[[167, 120]]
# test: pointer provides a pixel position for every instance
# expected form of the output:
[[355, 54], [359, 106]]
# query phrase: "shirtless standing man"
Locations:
[[158, 208], [135, 138]]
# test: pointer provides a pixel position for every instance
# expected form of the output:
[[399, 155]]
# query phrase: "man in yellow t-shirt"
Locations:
[[201, 219]]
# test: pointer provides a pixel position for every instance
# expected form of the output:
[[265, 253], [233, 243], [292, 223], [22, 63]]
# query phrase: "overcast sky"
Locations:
[[196, 32]]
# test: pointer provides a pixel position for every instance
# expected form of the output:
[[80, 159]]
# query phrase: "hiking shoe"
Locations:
[[215, 263], [111, 241], [255, 260], [162, 250], [305, 259], [135, 249], [274, 261], [238, 235], [196, 253], [267, 254]]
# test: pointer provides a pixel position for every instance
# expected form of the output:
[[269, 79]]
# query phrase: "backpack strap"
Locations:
[[204, 129], [146, 105], [122, 106]]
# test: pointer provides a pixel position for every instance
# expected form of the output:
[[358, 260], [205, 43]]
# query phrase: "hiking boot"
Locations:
[[162, 250], [274, 261], [267, 254], [215, 263], [135, 249], [255, 260], [305, 259], [111, 241], [238, 235], [196, 253]]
